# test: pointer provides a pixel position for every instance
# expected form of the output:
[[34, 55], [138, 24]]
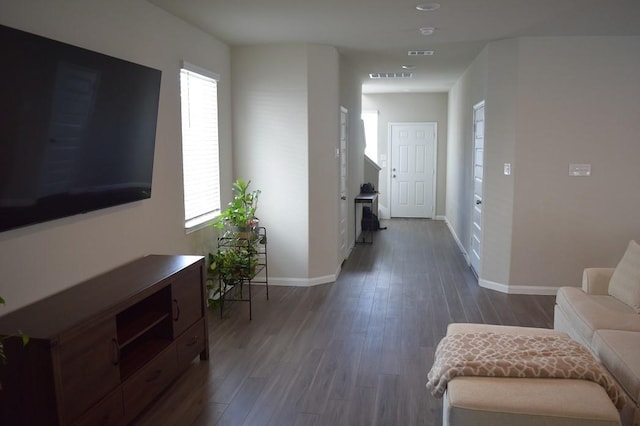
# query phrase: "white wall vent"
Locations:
[[420, 52], [390, 75]]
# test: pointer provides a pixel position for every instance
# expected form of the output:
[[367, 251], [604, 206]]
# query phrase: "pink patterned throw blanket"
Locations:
[[507, 355]]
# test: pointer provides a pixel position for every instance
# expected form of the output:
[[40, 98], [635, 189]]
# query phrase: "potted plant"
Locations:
[[240, 215], [237, 256], [228, 267], [3, 357]]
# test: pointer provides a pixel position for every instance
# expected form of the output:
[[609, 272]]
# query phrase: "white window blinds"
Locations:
[[200, 163]]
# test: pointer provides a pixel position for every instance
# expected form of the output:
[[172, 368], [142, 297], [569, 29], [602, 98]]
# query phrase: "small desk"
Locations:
[[370, 199]]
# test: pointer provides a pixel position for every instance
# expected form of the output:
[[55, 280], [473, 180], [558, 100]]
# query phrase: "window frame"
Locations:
[[204, 219], [371, 145]]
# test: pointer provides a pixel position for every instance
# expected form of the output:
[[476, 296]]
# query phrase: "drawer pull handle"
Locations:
[[116, 361], [194, 341], [177, 317], [155, 376]]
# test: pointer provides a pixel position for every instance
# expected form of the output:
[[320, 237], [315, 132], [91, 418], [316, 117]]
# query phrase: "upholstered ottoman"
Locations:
[[522, 401]]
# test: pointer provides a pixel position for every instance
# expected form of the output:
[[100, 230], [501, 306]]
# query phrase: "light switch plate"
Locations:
[[576, 169], [507, 169]]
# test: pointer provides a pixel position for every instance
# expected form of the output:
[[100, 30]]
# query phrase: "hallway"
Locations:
[[353, 352]]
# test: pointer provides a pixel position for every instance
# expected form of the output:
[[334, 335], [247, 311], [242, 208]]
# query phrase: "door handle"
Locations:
[[116, 346], [177, 316], [478, 202], [343, 198]]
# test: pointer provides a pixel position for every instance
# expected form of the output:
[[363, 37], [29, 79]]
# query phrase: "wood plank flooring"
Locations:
[[353, 352]]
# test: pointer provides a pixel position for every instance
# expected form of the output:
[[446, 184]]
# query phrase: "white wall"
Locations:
[[500, 138], [286, 129], [43, 259], [578, 102], [410, 107], [468, 91], [271, 147], [549, 102], [324, 167], [351, 99]]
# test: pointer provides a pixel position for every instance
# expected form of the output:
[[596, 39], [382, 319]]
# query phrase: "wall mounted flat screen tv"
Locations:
[[77, 129]]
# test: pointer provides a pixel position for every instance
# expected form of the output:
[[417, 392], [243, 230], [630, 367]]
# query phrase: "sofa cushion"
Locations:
[[619, 353], [588, 313], [625, 281]]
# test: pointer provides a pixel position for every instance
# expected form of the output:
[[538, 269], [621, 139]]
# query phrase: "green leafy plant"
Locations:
[[241, 212], [237, 257], [231, 264], [3, 358], [24, 337]]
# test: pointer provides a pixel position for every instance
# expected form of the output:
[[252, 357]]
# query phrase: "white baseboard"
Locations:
[[503, 288], [491, 285], [458, 242], [518, 289], [302, 282], [308, 282]]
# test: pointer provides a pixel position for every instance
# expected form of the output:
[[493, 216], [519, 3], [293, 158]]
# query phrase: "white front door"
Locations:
[[413, 166], [344, 205], [478, 173]]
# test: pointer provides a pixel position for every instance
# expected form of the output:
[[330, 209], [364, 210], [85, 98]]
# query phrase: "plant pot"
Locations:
[[245, 233]]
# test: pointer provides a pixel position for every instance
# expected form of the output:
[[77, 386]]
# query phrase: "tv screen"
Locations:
[[77, 129]]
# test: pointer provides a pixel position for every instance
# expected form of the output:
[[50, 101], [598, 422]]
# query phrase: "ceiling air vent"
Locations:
[[391, 75], [420, 52]]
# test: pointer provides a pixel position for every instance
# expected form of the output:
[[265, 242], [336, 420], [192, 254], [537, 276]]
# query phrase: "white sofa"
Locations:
[[604, 315]]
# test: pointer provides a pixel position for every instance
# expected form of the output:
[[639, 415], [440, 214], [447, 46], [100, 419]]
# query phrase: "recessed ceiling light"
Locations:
[[427, 31], [408, 67], [428, 7]]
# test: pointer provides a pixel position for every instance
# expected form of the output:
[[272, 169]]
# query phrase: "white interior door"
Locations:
[[344, 205], [478, 174], [413, 167]]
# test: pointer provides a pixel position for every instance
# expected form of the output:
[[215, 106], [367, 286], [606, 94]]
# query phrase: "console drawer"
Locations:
[[108, 412], [148, 382], [190, 344]]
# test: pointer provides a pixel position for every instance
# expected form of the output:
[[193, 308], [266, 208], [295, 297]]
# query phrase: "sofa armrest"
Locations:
[[596, 280]]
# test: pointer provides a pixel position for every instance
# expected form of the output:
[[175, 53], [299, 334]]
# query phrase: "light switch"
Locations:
[[579, 169], [507, 169]]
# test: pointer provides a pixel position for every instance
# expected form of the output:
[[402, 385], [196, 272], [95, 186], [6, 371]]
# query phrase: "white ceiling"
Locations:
[[375, 35]]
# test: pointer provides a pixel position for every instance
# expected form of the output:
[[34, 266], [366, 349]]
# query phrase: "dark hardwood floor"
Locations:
[[354, 352]]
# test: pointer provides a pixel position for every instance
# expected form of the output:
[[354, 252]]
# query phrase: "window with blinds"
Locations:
[[200, 164]]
